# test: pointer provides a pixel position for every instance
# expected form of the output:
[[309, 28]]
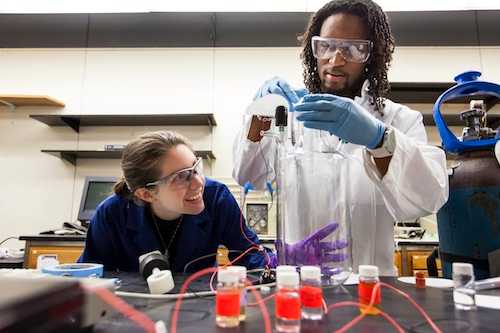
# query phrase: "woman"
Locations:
[[165, 203]]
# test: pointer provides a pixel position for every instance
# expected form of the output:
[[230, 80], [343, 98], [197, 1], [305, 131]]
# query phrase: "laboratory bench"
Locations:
[[197, 314]]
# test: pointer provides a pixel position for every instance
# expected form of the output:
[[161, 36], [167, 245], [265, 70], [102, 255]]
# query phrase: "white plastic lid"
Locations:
[[160, 282], [368, 270], [463, 268], [240, 270], [285, 268], [227, 276], [310, 273], [288, 279]]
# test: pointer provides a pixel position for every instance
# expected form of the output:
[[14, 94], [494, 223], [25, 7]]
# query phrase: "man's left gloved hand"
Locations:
[[342, 117]]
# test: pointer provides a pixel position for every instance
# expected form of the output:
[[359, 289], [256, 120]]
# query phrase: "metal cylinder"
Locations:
[[469, 223]]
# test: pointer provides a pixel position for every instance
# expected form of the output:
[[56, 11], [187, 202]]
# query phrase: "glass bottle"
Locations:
[[227, 299], [287, 302], [464, 288], [311, 294], [241, 271], [368, 278]]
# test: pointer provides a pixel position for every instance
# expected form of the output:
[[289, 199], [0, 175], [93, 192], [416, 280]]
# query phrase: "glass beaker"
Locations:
[[315, 206]]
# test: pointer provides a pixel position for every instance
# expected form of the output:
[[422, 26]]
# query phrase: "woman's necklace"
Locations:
[[165, 246]]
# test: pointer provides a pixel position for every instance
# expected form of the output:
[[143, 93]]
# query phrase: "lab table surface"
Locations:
[[197, 314]]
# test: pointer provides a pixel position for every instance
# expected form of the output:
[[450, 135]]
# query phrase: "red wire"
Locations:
[[265, 299], [128, 311], [389, 318], [263, 309], [356, 320], [363, 314], [418, 307], [230, 263], [243, 231], [259, 248], [185, 285]]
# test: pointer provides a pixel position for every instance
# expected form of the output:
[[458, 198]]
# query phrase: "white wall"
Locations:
[[40, 191]]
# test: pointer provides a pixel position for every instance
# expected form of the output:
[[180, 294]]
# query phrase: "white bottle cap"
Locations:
[[227, 276], [463, 268], [368, 270], [310, 273], [285, 268], [241, 271], [288, 279], [160, 282], [46, 261]]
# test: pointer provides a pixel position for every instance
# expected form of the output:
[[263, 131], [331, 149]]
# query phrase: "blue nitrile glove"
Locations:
[[312, 251], [279, 86], [341, 117]]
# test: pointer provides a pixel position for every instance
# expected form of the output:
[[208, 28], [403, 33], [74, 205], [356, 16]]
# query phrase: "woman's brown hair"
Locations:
[[142, 158]]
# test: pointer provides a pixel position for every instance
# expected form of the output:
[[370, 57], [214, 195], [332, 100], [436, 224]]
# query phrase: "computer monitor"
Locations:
[[95, 190]]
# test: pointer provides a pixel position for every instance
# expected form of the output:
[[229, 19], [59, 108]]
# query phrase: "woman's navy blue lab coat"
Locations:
[[120, 231]]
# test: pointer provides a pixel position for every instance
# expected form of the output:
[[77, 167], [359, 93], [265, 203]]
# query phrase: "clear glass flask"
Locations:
[[464, 289], [315, 207]]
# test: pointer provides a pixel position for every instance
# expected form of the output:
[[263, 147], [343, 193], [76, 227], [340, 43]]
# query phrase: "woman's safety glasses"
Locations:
[[181, 178], [352, 50]]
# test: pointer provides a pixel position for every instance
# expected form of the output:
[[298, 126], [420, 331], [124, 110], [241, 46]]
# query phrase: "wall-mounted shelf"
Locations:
[[428, 93], [72, 155], [78, 120], [417, 92], [14, 101]]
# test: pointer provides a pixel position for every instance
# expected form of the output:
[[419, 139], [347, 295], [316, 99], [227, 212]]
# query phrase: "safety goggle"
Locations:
[[181, 178], [352, 50]]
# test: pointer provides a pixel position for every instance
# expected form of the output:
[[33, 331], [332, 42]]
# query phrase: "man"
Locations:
[[347, 49]]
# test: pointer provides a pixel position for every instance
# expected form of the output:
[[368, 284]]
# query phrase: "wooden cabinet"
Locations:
[[411, 257], [418, 262], [67, 248], [65, 254], [397, 262]]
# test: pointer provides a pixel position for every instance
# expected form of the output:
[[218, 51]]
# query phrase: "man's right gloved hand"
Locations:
[[279, 86]]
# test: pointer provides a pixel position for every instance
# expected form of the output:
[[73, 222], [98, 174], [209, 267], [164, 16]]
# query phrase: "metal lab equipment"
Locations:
[[469, 223]]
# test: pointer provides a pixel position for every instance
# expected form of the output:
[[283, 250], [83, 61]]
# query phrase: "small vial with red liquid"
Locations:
[[311, 294], [287, 302], [368, 278], [227, 299]]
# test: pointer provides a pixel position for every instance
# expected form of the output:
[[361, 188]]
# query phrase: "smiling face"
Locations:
[[337, 75], [170, 200]]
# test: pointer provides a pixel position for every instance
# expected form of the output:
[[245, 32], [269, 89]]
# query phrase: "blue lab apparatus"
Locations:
[[469, 223]]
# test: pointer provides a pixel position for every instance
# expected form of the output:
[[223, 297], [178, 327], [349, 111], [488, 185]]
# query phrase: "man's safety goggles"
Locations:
[[181, 178], [352, 50]]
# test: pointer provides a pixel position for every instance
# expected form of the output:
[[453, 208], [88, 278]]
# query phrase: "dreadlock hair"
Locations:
[[379, 32]]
